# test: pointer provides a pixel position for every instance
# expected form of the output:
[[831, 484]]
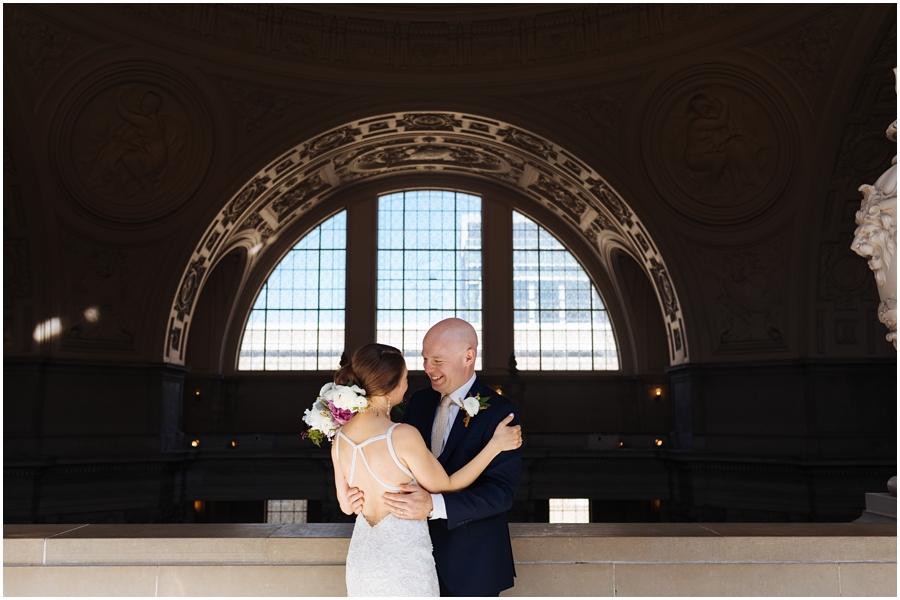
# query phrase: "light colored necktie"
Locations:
[[440, 426]]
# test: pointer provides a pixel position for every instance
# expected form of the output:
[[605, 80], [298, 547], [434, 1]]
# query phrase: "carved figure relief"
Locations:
[[749, 300], [126, 146], [100, 295], [128, 152], [259, 108], [715, 152]]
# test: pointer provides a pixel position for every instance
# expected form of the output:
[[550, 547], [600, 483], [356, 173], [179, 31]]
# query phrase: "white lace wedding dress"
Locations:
[[393, 557]]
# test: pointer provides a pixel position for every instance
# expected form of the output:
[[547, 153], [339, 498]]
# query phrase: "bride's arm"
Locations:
[[431, 474], [340, 484]]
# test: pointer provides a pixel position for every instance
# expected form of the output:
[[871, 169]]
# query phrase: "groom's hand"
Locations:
[[356, 498], [411, 502]]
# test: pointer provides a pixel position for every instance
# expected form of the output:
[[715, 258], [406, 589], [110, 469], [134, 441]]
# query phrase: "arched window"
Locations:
[[429, 266], [297, 321], [432, 248], [560, 321]]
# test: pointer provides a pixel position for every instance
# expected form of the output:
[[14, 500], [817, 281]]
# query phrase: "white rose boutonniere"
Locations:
[[473, 405]]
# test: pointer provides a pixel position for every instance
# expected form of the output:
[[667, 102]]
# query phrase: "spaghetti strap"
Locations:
[[390, 444], [358, 449]]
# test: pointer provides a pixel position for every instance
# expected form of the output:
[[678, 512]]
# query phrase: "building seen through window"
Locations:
[[429, 267], [297, 321]]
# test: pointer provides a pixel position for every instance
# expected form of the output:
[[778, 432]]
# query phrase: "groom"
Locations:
[[469, 530]]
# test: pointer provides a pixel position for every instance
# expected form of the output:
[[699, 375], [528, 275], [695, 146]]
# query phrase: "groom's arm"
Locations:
[[495, 491]]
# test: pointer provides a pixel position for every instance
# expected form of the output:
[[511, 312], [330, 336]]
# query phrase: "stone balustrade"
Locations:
[[662, 559]]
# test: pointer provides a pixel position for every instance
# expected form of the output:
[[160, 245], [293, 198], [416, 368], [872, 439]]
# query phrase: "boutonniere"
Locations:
[[474, 404]]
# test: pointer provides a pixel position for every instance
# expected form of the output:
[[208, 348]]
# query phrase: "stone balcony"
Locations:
[[666, 559]]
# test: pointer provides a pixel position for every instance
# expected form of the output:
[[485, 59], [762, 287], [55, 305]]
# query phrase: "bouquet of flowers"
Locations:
[[333, 408]]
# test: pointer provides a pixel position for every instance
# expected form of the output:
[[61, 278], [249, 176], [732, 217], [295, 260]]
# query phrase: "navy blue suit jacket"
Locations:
[[472, 550]]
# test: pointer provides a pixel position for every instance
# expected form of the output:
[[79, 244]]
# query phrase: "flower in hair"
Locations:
[[333, 408]]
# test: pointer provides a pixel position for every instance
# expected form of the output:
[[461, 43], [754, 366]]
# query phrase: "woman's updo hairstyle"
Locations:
[[376, 368]]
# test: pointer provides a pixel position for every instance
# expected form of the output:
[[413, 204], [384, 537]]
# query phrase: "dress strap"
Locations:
[[353, 461], [390, 444]]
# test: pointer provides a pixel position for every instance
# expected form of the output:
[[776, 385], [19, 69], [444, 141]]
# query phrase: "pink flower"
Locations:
[[341, 416]]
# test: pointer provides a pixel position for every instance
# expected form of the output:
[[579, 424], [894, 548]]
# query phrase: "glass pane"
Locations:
[[429, 266], [297, 321], [559, 321]]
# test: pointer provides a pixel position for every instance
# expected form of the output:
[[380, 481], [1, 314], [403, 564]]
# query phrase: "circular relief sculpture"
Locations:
[[130, 145], [716, 152]]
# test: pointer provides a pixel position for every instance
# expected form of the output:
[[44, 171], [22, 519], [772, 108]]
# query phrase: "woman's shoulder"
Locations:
[[405, 435]]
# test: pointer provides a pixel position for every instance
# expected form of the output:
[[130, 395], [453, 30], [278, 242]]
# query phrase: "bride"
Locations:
[[390, 556]]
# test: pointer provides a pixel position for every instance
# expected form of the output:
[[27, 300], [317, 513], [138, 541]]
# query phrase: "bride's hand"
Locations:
[[507, 437]]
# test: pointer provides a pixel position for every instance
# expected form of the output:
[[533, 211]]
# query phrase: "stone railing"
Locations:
[[664, 559]]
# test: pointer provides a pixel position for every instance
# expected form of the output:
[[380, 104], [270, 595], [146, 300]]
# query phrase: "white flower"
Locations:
[[472, 406], [350, 398], [328, 391], [319, 417]]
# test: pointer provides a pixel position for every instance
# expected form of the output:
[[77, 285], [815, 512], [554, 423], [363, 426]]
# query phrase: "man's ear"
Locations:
[[469, 355]]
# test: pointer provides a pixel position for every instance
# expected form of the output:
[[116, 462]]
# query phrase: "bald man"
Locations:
[[469, 530]]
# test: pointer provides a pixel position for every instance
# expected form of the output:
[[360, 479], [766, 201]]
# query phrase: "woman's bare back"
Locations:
[[376, 470]]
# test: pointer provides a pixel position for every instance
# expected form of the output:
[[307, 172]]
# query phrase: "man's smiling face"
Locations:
[[448, 358]]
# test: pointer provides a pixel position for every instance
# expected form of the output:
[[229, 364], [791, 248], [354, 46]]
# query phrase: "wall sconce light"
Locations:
[[195, 443], [621, 444], [658, 394], [500, 391], [197, 393], [198, 506], [658, 442], [234, 443]]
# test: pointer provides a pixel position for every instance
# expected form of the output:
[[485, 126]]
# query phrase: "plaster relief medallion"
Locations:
[[715, 152], [130, 145]]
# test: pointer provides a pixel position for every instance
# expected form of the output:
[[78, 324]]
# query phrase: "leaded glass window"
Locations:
[[429, 266], [297, 321], [559, 321]]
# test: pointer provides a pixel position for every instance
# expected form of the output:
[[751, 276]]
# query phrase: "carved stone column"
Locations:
[[876, 238]]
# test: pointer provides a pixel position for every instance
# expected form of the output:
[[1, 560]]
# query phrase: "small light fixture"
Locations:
[[500, 391], [198, 506], [621, 444], [658, 394], [195, 443], [197, 393], [658, 442], [234, 443]]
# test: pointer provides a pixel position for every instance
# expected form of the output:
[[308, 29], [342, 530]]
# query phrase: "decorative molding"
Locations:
[[42, 48], [842, 278], [458, 38], [257, 108], [16, 269], [809, 53], [423, 142]]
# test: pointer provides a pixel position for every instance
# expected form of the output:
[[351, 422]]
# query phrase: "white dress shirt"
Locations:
[[440, 509]]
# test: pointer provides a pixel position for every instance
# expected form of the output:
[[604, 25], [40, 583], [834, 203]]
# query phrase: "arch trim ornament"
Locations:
[[423, 142]]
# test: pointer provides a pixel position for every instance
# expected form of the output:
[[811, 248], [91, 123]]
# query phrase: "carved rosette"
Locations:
[[426, 142], [876, 238]]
